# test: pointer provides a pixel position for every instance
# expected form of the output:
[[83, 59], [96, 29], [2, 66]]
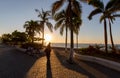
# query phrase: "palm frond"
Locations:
[[48, 13], [102, 18], [27, 21], [110, 17], [58, 24], [116, 6], [25, 26], [94, 12], [96, 3], [110, 4], [59, 16], [77, 8], [37, 10], [68, 11], [62, 29], [50, 26], [39, 13], [76, 30], [84, 1], [56, 6], [112, 20], [77, 21], [116, 15]]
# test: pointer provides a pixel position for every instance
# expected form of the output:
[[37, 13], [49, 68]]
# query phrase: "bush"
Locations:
[[90, 50], [34, 45]]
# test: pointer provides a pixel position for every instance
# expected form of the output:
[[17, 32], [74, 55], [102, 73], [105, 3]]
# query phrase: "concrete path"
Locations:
[[15, 64]]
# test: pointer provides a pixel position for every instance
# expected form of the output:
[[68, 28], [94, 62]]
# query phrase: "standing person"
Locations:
[[47, 51]]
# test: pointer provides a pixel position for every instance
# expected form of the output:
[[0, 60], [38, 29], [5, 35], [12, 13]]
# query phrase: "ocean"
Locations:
[[79, 45]]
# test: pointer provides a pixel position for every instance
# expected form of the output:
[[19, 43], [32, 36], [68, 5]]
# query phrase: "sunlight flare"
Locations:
[[48, 37]]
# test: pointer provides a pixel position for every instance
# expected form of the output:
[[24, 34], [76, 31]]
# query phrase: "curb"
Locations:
[[104, 62]]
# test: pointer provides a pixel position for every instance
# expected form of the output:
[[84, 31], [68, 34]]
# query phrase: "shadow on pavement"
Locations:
[[15, 64], [109, 72], [74, 67], [48, 71]]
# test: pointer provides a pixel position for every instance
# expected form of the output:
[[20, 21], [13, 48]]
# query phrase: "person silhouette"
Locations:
[[47, 51]]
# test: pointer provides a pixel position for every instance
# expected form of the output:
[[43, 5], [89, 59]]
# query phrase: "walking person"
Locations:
[[47, 51]]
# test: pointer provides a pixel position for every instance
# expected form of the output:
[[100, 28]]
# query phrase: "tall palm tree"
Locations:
[[77, 23], [99, 8], [111, 7], [62, 23], [111, 17], [72, 7], [31, 28], [44, 16]]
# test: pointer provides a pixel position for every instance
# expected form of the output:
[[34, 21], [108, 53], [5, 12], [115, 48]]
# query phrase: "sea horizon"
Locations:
[[81, 45]]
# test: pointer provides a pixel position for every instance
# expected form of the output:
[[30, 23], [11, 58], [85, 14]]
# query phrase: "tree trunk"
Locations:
[[71, 46], [66, 40], [113, 46], [77, 41], [33, 36], [43, 36], [71, 33], [105, 36]]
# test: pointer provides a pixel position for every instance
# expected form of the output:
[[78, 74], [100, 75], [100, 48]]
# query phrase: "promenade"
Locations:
[[16, 64]]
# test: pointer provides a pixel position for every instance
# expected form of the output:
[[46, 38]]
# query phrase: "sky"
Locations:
[[14, 13]]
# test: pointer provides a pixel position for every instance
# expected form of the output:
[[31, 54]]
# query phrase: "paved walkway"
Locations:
[[15, 64]]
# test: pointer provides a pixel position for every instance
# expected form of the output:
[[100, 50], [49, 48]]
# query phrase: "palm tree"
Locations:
[[111, 17], [72, 7], [77, 23], [62, 22], [111, 7], [99, 8], [31, 28], [113, 46], [44, 16]]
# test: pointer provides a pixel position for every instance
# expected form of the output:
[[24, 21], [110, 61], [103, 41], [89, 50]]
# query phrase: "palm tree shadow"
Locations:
[[48, 66], [74, 67]]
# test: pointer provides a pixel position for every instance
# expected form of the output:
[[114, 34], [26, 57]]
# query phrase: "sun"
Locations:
[[48, 37]]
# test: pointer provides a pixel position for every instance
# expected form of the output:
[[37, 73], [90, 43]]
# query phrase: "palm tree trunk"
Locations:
[[105, 36], [66, 40], [43, 36], [32, 36], [77, 41], [71, 33], [113, 46], [71, 46]]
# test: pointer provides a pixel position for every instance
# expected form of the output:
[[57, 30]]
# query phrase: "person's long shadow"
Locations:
[[48, 71]]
